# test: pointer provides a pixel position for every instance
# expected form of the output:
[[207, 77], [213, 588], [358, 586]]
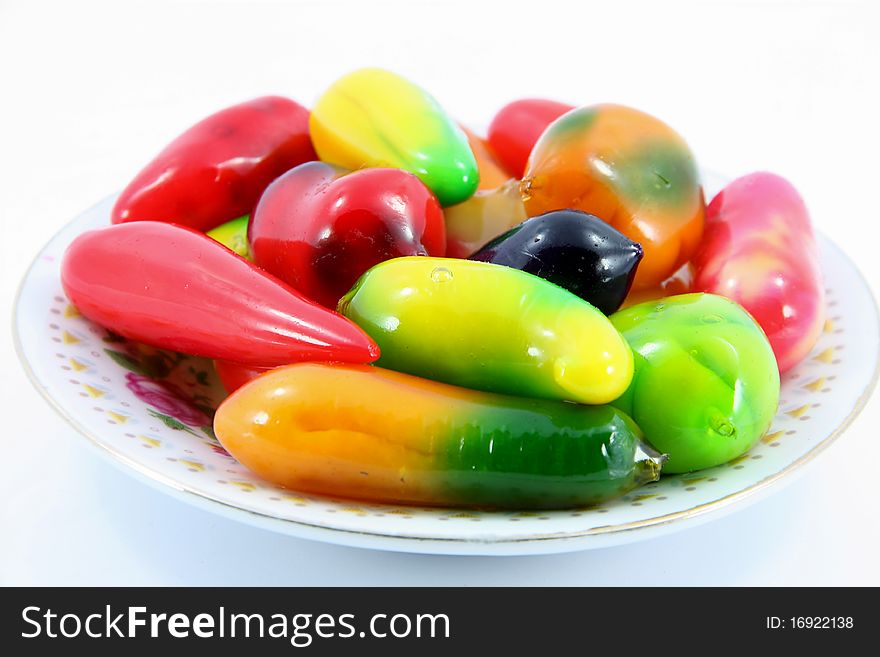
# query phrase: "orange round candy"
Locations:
[[629, 169]]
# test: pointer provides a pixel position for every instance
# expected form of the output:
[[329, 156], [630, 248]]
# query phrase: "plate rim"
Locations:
[[206, 501]]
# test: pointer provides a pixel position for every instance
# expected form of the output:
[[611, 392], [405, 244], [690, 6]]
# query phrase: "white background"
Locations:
[[89, 92]]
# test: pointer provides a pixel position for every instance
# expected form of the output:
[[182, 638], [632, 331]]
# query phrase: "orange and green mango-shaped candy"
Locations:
[[375, 118], [383, 436], [630, 170], [517, 126], [489, 327]]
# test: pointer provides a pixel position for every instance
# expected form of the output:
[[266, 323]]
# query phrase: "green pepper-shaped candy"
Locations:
[[706, 385], [233, 235], [375, 118], [489, 327]]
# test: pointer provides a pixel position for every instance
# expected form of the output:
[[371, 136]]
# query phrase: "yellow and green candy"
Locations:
[[489, 327], [375, 118], [374, 434]]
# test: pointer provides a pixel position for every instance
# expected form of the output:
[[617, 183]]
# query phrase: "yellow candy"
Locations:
[[375, 118], [489, 327]]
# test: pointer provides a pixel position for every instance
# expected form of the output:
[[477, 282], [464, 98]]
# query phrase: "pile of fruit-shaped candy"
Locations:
[[483, 279]]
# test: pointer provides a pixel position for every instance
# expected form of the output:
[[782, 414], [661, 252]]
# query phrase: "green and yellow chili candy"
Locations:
[[489, 327], [375, 118]]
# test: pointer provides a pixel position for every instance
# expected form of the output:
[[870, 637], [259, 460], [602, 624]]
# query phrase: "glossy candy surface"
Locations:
[[233, 375], [681, 282], [489, 327], [492, 175], [572, 249], [217, 169], [629, 169], [483, 216], [328, 429], [705, 387], [374, 118], [319, 228], [517, 126], [759, 250], [233, 235], [175, 288]]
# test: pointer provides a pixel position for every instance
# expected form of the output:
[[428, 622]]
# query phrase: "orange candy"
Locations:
[[680, 282], [629, 169]]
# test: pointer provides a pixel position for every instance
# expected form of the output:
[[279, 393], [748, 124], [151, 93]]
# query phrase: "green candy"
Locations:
[[706, 384], [536, 453], [233, 235]]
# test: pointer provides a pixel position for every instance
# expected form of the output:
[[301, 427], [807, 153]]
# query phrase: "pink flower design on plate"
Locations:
[[167, 398], [218, 449]]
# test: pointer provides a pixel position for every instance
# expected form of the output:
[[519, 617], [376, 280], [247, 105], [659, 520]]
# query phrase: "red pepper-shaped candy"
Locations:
[[234, 375], [216, 170], [517, 126], [175, 288], [319, 228], [758, 249]]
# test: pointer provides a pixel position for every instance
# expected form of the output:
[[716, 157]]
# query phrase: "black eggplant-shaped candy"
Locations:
[[574, 250]]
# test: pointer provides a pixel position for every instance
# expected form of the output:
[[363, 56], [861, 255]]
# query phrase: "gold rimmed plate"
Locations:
[[149, 412]]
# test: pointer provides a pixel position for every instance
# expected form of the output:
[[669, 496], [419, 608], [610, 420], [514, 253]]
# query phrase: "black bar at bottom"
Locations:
[[432, 621]]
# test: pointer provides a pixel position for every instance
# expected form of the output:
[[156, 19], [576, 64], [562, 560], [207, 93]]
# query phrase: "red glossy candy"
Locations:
[[216, 170], [234, 375], [175, 288], [758, 249], [517, 126], [319, 228]]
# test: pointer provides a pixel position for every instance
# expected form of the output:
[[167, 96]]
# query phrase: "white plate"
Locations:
[[152, 429]]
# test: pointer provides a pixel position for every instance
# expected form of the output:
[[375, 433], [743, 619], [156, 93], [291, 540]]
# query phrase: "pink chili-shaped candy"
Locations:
[[175, 288], [759, 249]]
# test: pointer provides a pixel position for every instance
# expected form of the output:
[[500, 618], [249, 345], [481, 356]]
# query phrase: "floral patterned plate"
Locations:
[[150, 412]]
